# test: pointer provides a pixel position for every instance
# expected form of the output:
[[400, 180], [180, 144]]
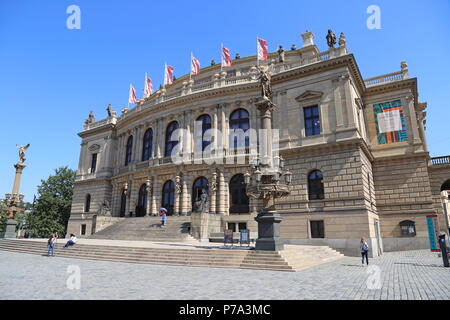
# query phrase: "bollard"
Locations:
[[443, 246]]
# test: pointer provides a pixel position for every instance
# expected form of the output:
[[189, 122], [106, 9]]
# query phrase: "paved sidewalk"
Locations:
[[403, 275]]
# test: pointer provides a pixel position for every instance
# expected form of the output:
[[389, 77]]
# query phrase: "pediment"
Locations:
[[94, 147], [309, 95]]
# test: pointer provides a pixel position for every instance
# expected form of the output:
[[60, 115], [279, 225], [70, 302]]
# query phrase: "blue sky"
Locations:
[[51, 77]]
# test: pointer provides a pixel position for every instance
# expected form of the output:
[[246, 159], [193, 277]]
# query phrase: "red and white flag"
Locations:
[[226, 57], [132, 96], [195, 65], [168, 74], [263, 50], [148, 88]]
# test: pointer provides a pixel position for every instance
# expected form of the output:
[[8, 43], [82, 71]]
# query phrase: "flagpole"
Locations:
[[221, 58], [190, 68], [145, 85], [128, 105], [257, 52], [165, 73]]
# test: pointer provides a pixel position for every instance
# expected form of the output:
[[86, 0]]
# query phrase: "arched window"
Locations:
[[239, 119], [123, 203], [170, 144], [206, 125], [199, 185], [87, 203], [129, 150], [315, 185], [148, 144], [168, 196], [141, 208], [239, 202], [446, 185]]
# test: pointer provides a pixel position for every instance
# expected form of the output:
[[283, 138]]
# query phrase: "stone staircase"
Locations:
[[217, 258], [301, 257], [177, 229], [294, 258]]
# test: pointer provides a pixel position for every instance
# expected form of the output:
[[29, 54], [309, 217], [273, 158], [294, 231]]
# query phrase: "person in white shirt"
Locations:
[[71, 241]]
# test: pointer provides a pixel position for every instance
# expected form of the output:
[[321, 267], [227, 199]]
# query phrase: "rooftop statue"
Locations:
[[111, 112], [281, 54], [22, 152], [266, 87], [331, 38], [91, 118], [342, 41]]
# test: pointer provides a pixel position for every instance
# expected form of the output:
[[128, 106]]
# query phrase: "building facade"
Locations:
[[356, 147]]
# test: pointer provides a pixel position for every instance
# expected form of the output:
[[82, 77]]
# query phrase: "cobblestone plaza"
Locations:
[[403, 276]]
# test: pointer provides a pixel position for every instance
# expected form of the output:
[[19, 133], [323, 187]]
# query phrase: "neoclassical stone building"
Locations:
[[356, 147]]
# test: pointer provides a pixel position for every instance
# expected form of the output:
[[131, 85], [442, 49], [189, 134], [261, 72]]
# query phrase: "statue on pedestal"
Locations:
[[22, 152], [331, 38], [201, 204], [342, 41], [266, 87], [105, 208], [281, 54], [111, 112]]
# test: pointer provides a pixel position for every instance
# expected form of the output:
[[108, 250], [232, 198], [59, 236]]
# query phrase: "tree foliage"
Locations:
[[52, 209]]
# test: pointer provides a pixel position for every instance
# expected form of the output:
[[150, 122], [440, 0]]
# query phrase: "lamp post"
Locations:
[[268, 183], [266, 180]]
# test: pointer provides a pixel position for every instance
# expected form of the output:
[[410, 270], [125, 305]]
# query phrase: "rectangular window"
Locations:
[[312, 121], [94, 163], [83, 229], [317, 229], [232, 226], [242, 226]]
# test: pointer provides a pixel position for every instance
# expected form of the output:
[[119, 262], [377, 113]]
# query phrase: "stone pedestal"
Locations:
[[269, 231], [9, 230]]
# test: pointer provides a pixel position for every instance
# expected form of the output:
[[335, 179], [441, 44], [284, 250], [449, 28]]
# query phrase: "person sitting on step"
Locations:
[[71, 241]]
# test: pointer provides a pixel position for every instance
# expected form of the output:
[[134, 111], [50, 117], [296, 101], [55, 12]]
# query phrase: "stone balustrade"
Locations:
[[440, 160]]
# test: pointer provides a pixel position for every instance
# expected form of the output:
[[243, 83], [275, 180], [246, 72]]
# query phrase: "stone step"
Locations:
[[187, 260], [233, 252]]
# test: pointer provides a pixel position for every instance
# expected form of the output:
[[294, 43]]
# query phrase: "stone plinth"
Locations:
[[9, 229], [269, 231]]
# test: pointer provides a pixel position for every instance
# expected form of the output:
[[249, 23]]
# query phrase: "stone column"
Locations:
[[412, 120], [338, 103], [129, 199], [221, 209], [349, 104], [184, 196], [176, 207], [155, 193], [212, 193]]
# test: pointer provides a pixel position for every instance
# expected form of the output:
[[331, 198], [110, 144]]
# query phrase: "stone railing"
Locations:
[[440, 160], [390, 77], [92, 125]]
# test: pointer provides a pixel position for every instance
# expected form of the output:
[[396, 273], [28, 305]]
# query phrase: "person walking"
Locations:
[[51, 244], [71, 241], [163, 214], [364, 250]]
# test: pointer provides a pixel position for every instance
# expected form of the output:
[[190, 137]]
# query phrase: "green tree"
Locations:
[[3, 214], [52, 209]]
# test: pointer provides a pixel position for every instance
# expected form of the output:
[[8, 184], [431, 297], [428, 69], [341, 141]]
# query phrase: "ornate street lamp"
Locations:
[[268, 183]]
